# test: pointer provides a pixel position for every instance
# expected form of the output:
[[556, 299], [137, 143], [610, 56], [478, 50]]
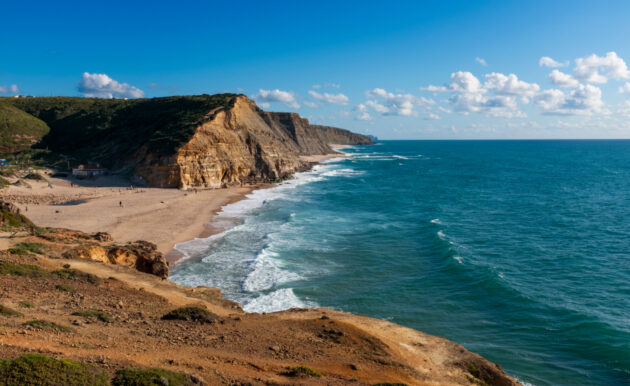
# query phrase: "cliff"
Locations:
[[193, 141]]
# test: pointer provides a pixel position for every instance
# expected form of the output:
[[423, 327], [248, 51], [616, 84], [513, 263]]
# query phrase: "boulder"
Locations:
[[149, 259], [88, 252]]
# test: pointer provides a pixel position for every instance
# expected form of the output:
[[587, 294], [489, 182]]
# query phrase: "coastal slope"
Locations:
[[208, 141]]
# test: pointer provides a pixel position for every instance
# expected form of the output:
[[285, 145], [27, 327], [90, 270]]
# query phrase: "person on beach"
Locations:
[[120, 204]]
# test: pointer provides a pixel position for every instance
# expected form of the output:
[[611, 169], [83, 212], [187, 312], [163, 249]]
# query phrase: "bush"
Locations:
[[64, 287], [21, 270], [6, 311], [36, 369], [100, 315], [196, 314], [46, 325], [297, 371], [26, 248], [25, 305], [73, 274], [150, 377]]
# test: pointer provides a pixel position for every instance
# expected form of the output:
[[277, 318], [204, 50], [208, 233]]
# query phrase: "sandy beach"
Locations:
[[110, 204]]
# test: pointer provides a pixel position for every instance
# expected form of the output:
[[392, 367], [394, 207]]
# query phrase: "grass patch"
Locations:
[[196, 314], [73, 274], [46, 325], [6, 311], [21, 270], [26, 248], [100, 315], [148, 377], [64, 288], [36, 369], [4, 182], [25, 305], [300, 371]]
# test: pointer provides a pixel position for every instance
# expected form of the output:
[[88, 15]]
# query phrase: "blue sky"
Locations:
[[398, 70]]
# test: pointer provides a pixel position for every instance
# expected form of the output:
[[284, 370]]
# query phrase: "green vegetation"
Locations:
[[46, 325], [196, 314], [21, 270], [73, 274], [36, 369], [25, 304], [35, 176], [6, 311], [4, 182], [18, 129], [100, 315], [150, 377], [10, 220], [26, 248], [297, 371], [109, 131], [64, 288]]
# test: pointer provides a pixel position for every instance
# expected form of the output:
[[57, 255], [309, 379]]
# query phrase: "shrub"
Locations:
[[46, 325], [26, 248], [6, 311], [36, 369], [25, 305], [196, 314], [21, 270], [73, 274], [297, 371], [150, 377], [100, 315], [64, 287]]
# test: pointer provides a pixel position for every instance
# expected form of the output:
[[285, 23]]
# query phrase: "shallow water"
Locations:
[[519, 250]]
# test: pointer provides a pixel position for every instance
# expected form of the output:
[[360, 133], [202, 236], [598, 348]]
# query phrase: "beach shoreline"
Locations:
[[163, 216]]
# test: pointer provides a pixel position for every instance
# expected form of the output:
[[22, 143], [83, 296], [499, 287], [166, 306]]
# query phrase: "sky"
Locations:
[[395, 69]]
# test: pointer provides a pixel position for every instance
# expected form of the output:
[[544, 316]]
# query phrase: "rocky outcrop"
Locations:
[[241, 145], [141, 255]]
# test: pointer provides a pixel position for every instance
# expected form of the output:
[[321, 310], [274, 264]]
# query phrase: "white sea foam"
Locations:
[[459, 259], [399, 156], [441, 235], [279, 300], [266, 273], [436, 221]]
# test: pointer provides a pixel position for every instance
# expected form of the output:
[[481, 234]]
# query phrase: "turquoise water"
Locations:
[[519, 250]]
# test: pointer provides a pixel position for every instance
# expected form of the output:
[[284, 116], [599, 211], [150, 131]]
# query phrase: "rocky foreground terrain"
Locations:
[[75, 308]]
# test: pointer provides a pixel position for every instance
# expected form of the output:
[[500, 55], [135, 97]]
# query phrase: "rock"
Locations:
[[88, 252], [102, 236], [149, 259], [122, 256]]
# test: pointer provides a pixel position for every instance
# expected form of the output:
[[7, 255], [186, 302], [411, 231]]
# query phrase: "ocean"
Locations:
[[518, 250]]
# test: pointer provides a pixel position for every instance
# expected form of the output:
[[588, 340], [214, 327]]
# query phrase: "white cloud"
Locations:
[[481, 61], [317, 86], [509, 85], [561, 79], [310, 104], [335, 99], [102, 86], [364, 114], [388, 103], [625, 88], [11, 89], [583, 100], [266, 97], [546, 61], [611, 66], [433, 116]]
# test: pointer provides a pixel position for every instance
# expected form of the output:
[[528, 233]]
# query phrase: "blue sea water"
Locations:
[[519, 250]]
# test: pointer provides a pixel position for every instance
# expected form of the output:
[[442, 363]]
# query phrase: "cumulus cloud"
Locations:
[[561, 79], [11, 89], [625, 89], [266, 97], [582, 100], [335, 99], [546, 61], [509, 85], [598, 69], [364, 114], [388, 103], [470, 95], [481, 61], [102, 86]]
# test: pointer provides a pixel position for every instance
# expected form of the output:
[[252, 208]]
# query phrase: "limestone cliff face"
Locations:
[[241, 145]]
